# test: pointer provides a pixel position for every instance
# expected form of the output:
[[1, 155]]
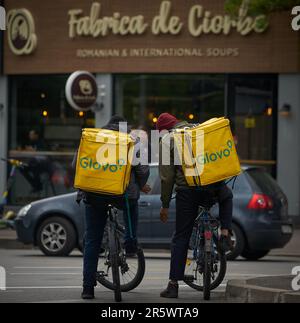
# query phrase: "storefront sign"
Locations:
[[21, 35], [200, 22], [142, 36], [81, 90]]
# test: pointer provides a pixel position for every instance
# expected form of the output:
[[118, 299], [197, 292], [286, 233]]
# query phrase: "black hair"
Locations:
[[116, 119]]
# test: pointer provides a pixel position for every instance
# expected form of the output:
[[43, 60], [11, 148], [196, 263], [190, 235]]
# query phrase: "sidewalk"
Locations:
[[8, 240], [273, 289]]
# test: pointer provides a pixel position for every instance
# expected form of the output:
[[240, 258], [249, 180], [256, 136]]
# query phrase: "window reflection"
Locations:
[[195, 98], [44, 133]]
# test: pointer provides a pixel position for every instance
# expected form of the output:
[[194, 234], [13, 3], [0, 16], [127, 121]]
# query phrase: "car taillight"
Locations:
[[260, 202]]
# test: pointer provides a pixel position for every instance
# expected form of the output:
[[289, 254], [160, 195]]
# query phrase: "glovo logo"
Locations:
[[22, 39], [213, 157], [89, 164]]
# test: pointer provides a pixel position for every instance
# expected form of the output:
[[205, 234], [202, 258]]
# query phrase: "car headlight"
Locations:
[[23, 212]]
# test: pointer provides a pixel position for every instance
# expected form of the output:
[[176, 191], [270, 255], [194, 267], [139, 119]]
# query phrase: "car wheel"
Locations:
[[238, 243], [254, 254], [56, 236]]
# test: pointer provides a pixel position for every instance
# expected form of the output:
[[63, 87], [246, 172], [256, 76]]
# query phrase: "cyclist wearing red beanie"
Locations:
[[188, 200]]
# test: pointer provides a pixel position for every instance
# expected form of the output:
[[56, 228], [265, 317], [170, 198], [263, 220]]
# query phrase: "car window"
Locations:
[[241, 184], [154, 181], [263, 180], [153, 175]]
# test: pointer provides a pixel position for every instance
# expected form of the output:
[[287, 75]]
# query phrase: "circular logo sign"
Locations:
[[22, 39], [81, 90]]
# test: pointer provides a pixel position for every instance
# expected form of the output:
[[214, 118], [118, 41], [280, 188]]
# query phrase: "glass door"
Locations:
[[252, 106]]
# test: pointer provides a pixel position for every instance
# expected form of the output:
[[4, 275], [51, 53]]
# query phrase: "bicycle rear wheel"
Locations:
[[219, 268], [114, 262]]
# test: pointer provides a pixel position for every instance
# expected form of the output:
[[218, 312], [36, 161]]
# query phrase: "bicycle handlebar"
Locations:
[[14, 162]]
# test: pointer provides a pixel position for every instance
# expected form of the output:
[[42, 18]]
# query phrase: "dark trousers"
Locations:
[[96, 208], [131, 222], [187, 204]]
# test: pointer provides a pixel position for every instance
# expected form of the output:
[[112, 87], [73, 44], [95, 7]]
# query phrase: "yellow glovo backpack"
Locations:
[[104, 161], [207, 152]]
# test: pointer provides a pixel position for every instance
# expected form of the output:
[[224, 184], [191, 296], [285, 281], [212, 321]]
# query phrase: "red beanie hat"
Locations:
[[166, 122]]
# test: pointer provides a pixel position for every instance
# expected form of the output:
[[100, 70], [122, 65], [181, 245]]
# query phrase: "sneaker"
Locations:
[[88, 293], [171, 291], [225, 243]]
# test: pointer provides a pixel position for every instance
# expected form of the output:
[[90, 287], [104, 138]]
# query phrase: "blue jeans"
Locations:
[[187, 204], [95, 221]]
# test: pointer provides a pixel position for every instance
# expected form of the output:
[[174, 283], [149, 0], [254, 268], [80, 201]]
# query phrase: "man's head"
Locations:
[[166, 121], [120, 123], [116, 119]]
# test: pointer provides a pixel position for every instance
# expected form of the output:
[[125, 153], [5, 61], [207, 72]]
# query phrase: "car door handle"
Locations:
[[144, 204]]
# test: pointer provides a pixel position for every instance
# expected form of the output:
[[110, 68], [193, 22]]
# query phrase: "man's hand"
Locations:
[[164, 214], [146, 189]]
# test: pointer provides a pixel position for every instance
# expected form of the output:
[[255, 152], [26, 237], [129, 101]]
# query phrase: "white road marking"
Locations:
[[14, 274], [79, 287], [44, 287], [47, 267]]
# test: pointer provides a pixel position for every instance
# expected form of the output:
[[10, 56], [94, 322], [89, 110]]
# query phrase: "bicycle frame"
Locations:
[[205, 230], [15, 164], [209, 260], [115, 257]]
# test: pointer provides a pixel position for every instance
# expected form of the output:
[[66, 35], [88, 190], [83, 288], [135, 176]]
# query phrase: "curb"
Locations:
[[244, 291]]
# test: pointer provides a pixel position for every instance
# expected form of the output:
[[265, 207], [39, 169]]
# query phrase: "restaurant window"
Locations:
[[195, 98], [252, 103], [44, 133]]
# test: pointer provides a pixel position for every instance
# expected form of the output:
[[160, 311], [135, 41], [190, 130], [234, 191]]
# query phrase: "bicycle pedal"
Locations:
[[189, 278], [101, 274]]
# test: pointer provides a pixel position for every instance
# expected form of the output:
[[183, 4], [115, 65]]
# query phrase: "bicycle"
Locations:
[[120, 273], [208, 262], [7, 219]]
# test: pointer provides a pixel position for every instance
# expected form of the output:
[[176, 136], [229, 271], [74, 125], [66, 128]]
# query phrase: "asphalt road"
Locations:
[[32, 277]]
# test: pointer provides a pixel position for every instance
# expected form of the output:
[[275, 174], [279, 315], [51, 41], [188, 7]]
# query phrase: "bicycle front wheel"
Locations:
[[114, 262], [131, 269], [207, 276]]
